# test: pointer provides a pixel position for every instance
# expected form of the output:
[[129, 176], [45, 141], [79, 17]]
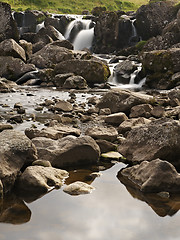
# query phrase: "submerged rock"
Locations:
[[154, 176], [78, 188]]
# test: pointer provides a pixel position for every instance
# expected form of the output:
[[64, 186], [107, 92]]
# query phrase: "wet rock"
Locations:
[[122, 100], [92, 71], [13, 68], [4, 126], [50, 55], [42, 163], [158, 139], [142, 110], [10, 47], [7, 86], [68, 151], [59, 24], [123, 71], [16, 151], [105, 133], [8, 27], [154, 176], [129, 124], [38, 180], [76, 82], [152, 18], [16, 119], [106, 146], [78, 188], [116, 118], [54, 132]]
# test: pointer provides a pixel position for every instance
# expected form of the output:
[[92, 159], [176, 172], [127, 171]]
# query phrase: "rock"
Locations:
[[129, 124], [160, 66], [59, 23], [92, 71], [158, 112], [152, 18], [158, 139], [111, 155], [7, 86], [105, 133], [104, 111], [122, 100], [16, 152], [173, 113], [63, 43], [78, 188], [76, 82], [13, 68], [42, 163], [106, 33], [116, 118], [62, 105], [4, 126], [9, 47], [174, 96], [106, 146], [27, 46], [68, 151], [54, 132], [14, 210], [38, 180], [142, 110], [50, 55], [60, 79], [123, 71], [154, 176], [8, 27], [16, 118]]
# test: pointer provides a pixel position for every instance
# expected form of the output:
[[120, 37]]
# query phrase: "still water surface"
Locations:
[[109, 212]]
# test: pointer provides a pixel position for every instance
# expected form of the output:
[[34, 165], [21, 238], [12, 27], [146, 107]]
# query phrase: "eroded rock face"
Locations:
[[122, 100], [92, 71], [154, 176], [16, 150], [158, 139], [40, 180], [8, 27], [68, 151]]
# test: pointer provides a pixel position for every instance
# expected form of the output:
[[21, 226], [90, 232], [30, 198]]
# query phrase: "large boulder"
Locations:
[[160, 67], [59, 23], [68, 151], [106, 32], [9, 47], [152, 18], [122, 100], [105, 133], [50, 55], [154, 176], [92, 71], [38, 180], [13, 68], [8, 27], [16, 152], [158, 139]]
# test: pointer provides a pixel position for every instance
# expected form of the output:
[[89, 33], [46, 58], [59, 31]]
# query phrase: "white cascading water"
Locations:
[[84, 37]]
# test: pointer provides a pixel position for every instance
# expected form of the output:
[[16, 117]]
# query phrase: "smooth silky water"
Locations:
[[109, 212]]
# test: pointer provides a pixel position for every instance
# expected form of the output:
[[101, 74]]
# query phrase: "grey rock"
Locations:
[[142, 110], [105, 133], [116, 118]]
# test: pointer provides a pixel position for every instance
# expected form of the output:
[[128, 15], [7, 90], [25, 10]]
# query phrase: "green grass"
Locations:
[[74, 6]]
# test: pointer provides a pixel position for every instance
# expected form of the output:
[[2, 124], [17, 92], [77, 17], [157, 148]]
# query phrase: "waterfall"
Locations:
[[80, 32], [39, 26]]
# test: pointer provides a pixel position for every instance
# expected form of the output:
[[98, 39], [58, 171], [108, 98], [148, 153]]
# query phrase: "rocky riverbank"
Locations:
[[75, 124]]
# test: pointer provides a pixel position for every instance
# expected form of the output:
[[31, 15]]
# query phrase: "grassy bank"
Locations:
[[74, 6]]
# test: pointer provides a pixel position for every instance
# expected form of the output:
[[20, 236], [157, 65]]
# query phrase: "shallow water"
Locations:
[[109, 212]]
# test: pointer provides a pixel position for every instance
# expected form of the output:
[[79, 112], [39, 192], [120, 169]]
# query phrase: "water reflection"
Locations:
[[14, 210], [162, 206]]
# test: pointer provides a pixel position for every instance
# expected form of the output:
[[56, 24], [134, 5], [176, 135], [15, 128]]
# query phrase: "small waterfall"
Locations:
[[80, 32], [39, 26]]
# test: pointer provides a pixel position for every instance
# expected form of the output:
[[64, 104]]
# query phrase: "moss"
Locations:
[[139, 46]]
